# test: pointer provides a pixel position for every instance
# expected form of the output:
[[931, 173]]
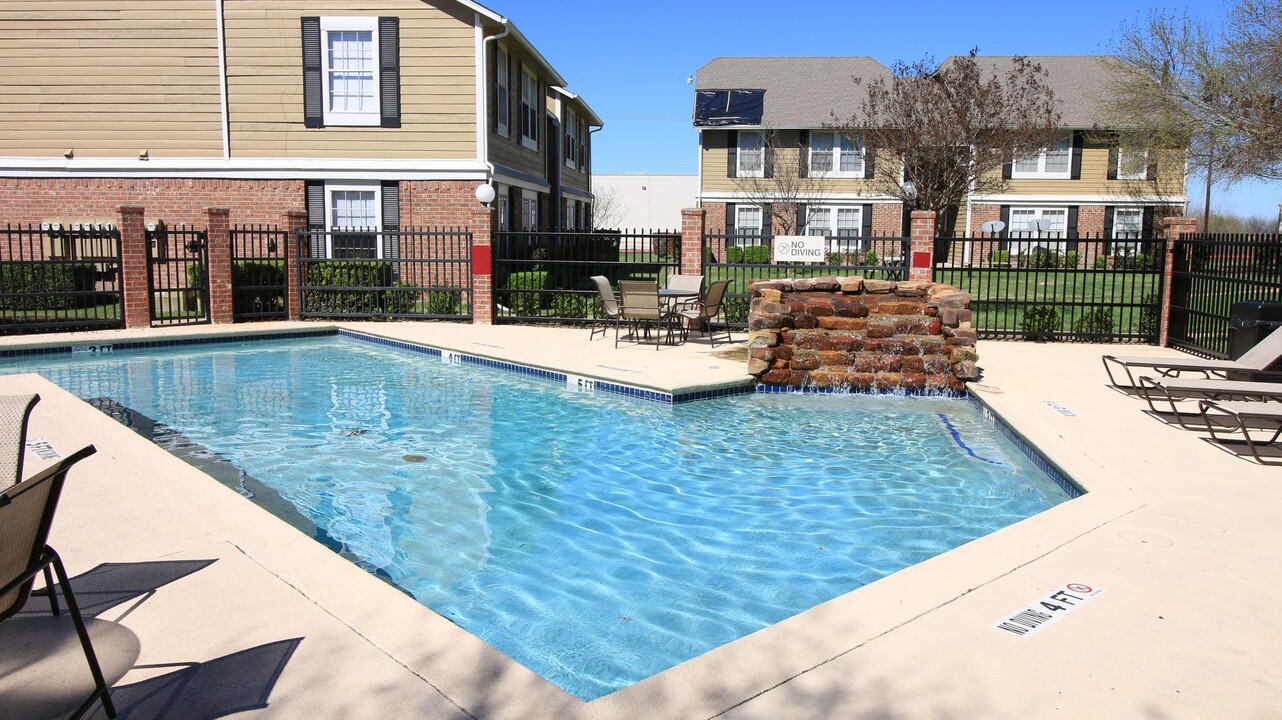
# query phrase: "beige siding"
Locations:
[[1094, 180], [265, 82], [508, 151], [716, 178], [109, 78]]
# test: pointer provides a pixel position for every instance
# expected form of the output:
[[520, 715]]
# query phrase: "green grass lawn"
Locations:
[[95, 312]]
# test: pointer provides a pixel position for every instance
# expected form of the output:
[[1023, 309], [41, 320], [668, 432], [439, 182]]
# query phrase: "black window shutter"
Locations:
[[316, 216], [1146, 230], [1006, 168], [870, 163], [392, 225], [866, 230], [1108, 228], [732, 152], [803, 214], [389, 70], [1151, 170], [1078, 141], [767, 220], [768, 157], [1113, 159], [313, 94], [1005, 218], [803, 156], [1071, 230], [730, 219]]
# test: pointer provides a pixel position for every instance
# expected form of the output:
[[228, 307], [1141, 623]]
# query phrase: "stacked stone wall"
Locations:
[[861, 334]]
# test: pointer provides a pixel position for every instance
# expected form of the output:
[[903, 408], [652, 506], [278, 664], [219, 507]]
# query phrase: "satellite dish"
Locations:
[[994, 226]]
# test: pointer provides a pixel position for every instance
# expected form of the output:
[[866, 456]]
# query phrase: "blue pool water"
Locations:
[[596, 539]]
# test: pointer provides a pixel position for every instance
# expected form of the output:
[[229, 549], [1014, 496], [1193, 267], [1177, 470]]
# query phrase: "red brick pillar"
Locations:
[[693, 221], [1176, 228], [920, 262], [482, 267], [134, 267], [219, 249], [295, 248]]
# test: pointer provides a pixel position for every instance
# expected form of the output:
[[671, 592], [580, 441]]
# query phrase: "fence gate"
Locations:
[[1210, 273], [178, 275], [258, 272]]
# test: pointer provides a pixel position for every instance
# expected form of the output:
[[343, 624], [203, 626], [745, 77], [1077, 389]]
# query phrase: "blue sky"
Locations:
[[630, 60]]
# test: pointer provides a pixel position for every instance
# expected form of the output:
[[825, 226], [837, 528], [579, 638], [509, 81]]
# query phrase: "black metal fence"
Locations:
[[258, 254], [1210, 273], [742, 258], [1086, 288], [178, 275], [55, 277], [544, 276], [422, 273]]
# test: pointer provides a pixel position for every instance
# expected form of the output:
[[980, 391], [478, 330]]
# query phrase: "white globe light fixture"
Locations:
[[485, 194], [909, 190]]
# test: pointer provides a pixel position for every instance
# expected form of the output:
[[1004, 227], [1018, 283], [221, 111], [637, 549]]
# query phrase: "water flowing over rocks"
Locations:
[[860, 334]]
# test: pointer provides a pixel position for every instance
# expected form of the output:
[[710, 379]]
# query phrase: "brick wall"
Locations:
[[438, 203], [176, 201], [887, 220]]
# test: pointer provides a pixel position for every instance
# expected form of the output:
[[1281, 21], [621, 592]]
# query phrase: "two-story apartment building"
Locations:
[[770, 118], [365, 113]]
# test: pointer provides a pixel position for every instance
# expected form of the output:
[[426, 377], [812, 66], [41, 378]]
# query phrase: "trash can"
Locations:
[[1250, 322]]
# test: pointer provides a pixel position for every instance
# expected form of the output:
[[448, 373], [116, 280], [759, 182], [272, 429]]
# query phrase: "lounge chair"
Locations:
[[608, 310], [641, 309], [1256, 360], [15, 410], [1244, 417], [26, 514], [1170, 390], [708, 310]]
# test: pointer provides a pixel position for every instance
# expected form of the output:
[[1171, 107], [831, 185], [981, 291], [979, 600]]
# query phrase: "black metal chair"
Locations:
[[26, 514]]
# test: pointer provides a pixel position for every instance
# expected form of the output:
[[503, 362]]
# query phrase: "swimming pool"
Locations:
[[595, 539]]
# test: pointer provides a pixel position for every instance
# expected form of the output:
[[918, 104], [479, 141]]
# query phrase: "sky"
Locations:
[[630, 60]]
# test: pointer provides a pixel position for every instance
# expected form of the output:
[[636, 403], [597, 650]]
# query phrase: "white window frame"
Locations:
[[571, 149], [1141, 155], [1041, 172], [743, 170], [349, 24], [530, 83], [836, 152], [529, 212], [1023, 242], [504, 208], [503, 92], [740, 229], [1127, 245], [353, 186], [832, 229]]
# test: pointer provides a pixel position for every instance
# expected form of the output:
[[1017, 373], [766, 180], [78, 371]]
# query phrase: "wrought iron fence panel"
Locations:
[[60, 277], [258, 260], [178, 274], [1211, 272], [543, 276], [1083, 288], [742, 258], [412, 273]]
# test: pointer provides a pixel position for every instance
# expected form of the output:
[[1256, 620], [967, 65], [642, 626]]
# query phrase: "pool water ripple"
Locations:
[[596, 539]]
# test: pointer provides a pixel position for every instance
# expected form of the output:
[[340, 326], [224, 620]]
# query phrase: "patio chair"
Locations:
[[1170, 390], [1244, 417], [1256, 360], [15, 410], [708, 310], [26, 514], [641, 309], [608, 310], [692, 283]]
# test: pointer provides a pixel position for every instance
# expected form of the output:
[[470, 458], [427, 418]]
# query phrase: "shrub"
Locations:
[[1137, 261], [735, 309], [401, 299], [572, 305], [1040, 323], [1071, 259], [999, 257], [445, 302], [1150, 316], [834, 258], [756, 255], [525, 304], [1101, 262], [1095, 325], [269, 274], [734, 255], [376, 276], [870, 258], [1040, 259], [40, 277]]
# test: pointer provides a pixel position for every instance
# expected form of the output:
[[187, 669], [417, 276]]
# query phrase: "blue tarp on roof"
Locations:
[[728, 107]]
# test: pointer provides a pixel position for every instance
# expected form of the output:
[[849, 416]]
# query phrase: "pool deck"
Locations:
[[1183, 538]]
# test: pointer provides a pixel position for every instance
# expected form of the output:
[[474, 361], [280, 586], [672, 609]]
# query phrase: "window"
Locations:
[[353, 219], [350, 67], [571, 149], [529, 109], [752, 154], [529, 213], [747, 220], [1128, 224], [1054, 162], [1036, 223], [503, 93], [840, 225], [837, 154], [1132, 164], [505, 207]]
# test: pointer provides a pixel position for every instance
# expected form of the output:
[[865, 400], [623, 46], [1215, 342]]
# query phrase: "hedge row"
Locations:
[[56, 284]]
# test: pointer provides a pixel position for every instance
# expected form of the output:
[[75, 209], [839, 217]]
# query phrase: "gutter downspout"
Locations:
[[592, 175], [483, 119], [222, 78]]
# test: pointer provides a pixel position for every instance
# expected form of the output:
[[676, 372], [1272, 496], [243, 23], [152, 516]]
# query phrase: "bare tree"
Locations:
[[607, 207], [953, 126], [784, 183]]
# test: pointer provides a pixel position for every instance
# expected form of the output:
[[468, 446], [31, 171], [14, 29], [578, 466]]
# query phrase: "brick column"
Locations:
[[219, 249], [134, 267], [693, 222], [482, 267], [920, 262], [295, 248], [1176, 228]]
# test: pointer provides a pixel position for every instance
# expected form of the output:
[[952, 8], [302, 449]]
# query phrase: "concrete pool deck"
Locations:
[[1182, 537]]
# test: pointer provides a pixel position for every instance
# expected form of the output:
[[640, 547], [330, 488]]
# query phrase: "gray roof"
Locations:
[[805, 92], [800, 92]]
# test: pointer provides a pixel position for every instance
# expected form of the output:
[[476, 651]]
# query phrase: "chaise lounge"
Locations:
[[1170, 390], [1255, 360], [1244, 417]]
